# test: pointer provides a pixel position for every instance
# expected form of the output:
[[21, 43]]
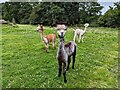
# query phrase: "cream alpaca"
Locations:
[[79, 34]]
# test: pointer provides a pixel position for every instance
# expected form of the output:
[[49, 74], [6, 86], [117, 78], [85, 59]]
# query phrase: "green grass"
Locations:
[[26, 64]]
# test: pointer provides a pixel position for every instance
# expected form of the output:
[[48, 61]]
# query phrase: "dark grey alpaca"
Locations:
[[65, 51]]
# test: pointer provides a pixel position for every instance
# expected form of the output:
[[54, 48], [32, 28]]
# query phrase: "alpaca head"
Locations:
[[40, 28], [86, 24], [61, 29]]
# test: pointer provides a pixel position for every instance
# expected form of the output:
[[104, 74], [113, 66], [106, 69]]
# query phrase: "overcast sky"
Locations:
[[104, 3], [106, 6]]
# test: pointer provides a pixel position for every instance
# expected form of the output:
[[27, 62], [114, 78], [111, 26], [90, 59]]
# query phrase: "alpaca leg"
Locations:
[[47, 46], [53, 44], [74, 37], [74, 55], [64, 72], [60, 69], [69, 60], [79, 37], [82, 38]]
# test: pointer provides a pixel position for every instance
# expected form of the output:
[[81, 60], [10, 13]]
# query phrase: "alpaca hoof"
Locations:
[[46, 51], [65, 81], [72, 67], [58, 75]]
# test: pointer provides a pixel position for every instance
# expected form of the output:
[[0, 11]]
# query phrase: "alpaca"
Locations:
[[48, 38], [79, 34], [65, 51]]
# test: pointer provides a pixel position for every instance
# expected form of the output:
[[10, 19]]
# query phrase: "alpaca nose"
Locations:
[[62, 34]]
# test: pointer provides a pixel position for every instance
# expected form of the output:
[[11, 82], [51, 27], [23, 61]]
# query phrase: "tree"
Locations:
[[24, 12], [89, 11], [10, 10], [13, 21], [111, 17], [20, 11]]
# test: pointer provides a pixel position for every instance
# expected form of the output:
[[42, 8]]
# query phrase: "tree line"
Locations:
[[48, 13], [111, 17]]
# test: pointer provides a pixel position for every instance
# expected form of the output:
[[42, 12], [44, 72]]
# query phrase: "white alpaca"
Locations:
[[79, 34]]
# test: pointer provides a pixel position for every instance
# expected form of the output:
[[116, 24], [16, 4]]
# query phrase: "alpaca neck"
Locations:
[[85, 29], [42, 35], [61, 44]]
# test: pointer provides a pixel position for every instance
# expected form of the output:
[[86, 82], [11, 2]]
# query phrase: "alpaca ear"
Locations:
[[66, 28]]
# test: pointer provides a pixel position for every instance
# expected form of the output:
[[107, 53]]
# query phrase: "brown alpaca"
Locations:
[[48, 38]]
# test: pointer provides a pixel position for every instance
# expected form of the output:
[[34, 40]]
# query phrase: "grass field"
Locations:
[[25, 64]]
